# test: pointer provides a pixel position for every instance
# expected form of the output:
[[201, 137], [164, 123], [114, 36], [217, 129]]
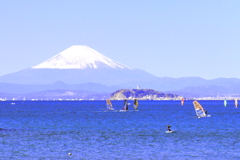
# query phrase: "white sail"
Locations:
[[236, 102], [199, 109], [225, 102]]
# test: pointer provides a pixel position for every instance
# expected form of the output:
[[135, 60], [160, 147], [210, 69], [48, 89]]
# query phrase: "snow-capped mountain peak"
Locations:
[[79, 57]]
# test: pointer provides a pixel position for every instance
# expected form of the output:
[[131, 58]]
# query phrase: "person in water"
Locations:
[[169, 128], [206, 112]]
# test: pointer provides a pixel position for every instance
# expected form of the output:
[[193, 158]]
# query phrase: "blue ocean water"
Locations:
[[52, 129]]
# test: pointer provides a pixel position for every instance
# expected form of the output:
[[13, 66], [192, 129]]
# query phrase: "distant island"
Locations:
[[144, 94]]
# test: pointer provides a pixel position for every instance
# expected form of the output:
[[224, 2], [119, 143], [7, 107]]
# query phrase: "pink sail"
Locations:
[[182, 101]]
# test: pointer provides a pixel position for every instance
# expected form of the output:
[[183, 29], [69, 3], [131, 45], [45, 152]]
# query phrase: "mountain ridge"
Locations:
[[57, 94], [213, 90], [23, 89], [77, 66]]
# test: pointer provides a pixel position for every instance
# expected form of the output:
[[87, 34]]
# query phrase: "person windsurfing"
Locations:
[[125, 105], [169, 128]]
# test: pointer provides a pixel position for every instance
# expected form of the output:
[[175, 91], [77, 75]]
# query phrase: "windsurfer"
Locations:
[[169, 128], [125, 105], [135, 104], [205, 112]]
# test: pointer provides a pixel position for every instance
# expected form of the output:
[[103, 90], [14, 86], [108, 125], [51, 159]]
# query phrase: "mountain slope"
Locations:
[[23, 89], [76, 65], [56, 95], [107, 77]]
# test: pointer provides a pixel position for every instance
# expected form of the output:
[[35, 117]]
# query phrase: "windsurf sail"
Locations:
[[225, 102], [236, 102], [199, 109], [135, 104], [109, 104], [125, 107], [182, 101]]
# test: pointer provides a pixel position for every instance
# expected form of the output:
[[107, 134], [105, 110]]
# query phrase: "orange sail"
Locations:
[[109, 104], [199, 109], [182, 101]]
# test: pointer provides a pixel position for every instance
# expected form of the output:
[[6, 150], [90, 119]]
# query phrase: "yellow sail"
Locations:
[[135, 104], [199, 109]]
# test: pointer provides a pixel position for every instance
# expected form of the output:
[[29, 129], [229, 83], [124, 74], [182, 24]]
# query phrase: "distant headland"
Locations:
[[143, 94]]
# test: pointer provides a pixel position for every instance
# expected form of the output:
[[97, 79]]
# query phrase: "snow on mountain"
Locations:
[[79, 57], [78, 65]]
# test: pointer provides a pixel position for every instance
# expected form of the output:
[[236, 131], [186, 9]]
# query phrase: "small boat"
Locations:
[[135, 104], [182, 101], [236, 103], [169, 131], [109, 104], [200, 112], [225, 102]]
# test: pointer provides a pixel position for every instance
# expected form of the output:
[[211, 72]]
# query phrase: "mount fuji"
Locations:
[[83, 68], [77, 65], [80, 57]]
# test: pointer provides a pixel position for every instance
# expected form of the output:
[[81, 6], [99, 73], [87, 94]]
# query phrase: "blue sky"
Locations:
[[166, 38]]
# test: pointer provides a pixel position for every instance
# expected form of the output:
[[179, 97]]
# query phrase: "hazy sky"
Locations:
[[163, 37]]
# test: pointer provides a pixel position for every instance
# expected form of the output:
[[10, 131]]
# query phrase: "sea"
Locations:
[[86, 130]]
